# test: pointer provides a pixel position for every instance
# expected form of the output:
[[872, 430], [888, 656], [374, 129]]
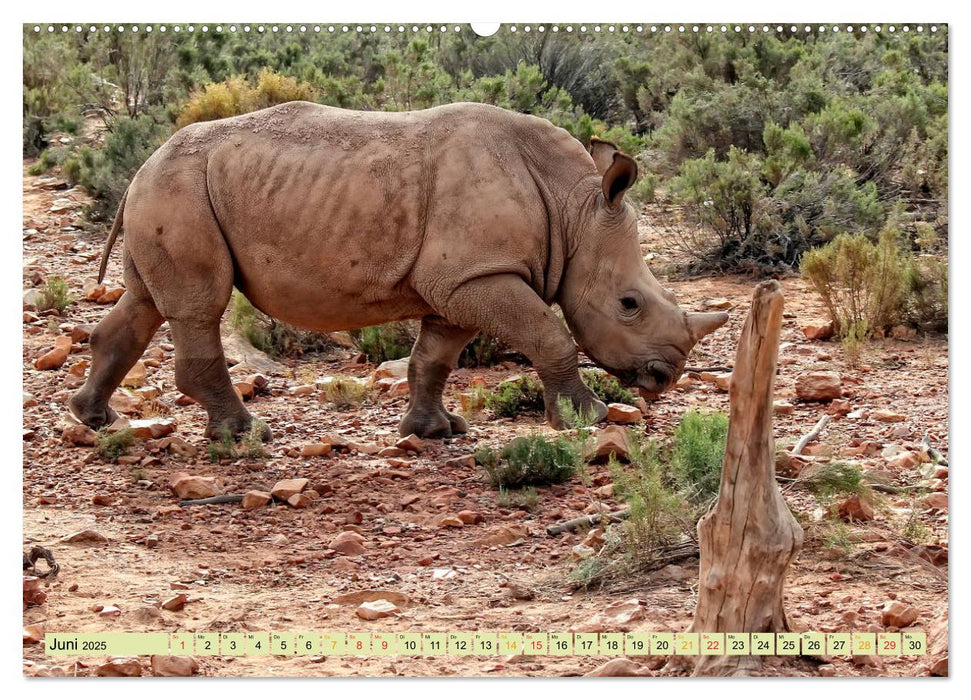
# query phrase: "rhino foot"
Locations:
[[95, 417], [435, 424], [236, 426]]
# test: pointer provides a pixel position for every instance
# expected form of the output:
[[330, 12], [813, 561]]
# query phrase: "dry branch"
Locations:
[[811, 435]]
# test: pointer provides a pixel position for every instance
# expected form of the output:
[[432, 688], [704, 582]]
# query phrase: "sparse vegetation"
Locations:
[[833, 480], [252, 446], [474, 401], [55, 295], [606, 387], [390, 341], [112, 445], [529, 460], [345, 392], [698, 453], [271, 336], [224, 447], [836, 538], [524, 499], [513, 397]]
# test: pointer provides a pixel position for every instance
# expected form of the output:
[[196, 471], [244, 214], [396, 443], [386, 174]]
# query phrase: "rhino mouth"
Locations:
[[651, 380]]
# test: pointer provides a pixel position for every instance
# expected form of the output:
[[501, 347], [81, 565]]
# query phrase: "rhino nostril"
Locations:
[[660, 377]]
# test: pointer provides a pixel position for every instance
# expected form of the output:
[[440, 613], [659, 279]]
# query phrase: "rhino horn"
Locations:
[[701, 324]]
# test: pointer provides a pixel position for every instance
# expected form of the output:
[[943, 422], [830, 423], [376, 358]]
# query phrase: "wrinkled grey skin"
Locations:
[[466, 216]]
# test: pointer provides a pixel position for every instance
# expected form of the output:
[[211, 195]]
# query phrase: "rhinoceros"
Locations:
[[466, 216]]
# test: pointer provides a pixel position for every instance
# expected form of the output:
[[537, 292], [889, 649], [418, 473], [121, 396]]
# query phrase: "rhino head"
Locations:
[[623, 319]]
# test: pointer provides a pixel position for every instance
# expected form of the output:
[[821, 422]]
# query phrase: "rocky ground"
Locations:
[[429, 532]]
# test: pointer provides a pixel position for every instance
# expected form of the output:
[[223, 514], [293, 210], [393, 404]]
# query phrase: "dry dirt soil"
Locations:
[[271, 568]]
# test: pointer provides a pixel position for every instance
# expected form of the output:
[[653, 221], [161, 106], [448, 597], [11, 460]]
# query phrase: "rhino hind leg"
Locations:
[[433, 358], [506, 307], [117, 342]]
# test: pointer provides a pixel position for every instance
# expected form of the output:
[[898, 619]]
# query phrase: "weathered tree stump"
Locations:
[[749, 539]]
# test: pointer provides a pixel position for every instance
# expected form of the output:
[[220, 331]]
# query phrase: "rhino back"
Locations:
[[375, 212]]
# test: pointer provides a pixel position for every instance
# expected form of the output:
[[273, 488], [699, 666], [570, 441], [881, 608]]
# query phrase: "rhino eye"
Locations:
[[629, 303]]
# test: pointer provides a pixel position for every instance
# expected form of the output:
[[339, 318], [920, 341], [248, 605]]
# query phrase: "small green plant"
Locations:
[[529, 460], [344, 391], [111, 446], [251, 446], [837, 538], [835, 480], [521, 395], [55, 295], [390, 341], [224, 447], [854, 342], [698, 453], [474, 401], [914, 528], [607, 388], [525, 499]]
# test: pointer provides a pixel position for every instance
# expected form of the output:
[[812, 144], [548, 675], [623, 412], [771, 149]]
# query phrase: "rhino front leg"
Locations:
[[433, 358], [506, 307]]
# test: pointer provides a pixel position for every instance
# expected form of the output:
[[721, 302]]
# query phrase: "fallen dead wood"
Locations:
[[811, 435], [212, 500], [587, 521], [936, 457]]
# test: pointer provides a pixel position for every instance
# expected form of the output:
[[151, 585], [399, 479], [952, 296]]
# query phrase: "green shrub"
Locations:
[[390, 341], [836, 480], [111, 446], [698, 453], [224, 447], [345, 392], [513, 397], [271, 336], [524, 499], [252, 446], [530, 460], [236, 95], [55, 295], [606, 387], [925, 280], [862, 284]]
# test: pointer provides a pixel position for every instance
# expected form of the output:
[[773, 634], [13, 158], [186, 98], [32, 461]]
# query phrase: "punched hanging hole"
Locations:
[[485, 28]]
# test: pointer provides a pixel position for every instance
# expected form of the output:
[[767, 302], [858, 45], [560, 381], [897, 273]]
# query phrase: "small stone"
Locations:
[[111, 296], [79, 435], [109, 611], [94, 292], [174, 666], [887, 416], [244, 390], [190, 487], [501, 536], [302, 390], [279, 540], [85, 537], [819, 386], [376, 609], [622, 667], [936, 501], [102, 499], [299, 500], [29, 400], [839, 407], [348, 543], [903, 332], [717, 303], [398, 388], [410, 443], [315, 449], [782, 408], [282, 490], [146, 428], [612, 439], [367, 596], [449, 521], [723, 380], [855, 509], [904, 460], [939, 667], [463, 462], [176, 602], [82, 332], [152, 541], [178, 446], [898, 614], [33, 633], [582, 551], [622, 413], [52, 359], [469, 517], [136, 376], [255, 499], [594, 538], [126, 667], [397, 369], [818, 330]]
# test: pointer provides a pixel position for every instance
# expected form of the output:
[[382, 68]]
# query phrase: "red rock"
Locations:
[[370, 595], [411, 443], [120, 666], [621, 667], [111, 296], [33, 633], [244, 390], [839, 407], [190, 487], [887, 416], [80, 435], [149, 428], [622, 413], [52, 359], [936, 501], [463, 462], [176, 602], [818, 330], [94, 292], [33, 593], [302, 390], [611, 439], [82, 332], [449, 521], [174, 666], [282, 490], [315, 449], [782, 408], [898, 614], [255, 499], [469, 517], [501, 536], [85, 537], [939, 667], [904, 460], [136, 375], [819, 386], [376, 609], [299, 500], [78, 369], [855, 509], [397, 369], [178, 446], [398, 388], [109, 611], [348, 543]]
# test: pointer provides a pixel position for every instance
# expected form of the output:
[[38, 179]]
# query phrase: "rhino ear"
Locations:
[[619, 178], [602, 153]]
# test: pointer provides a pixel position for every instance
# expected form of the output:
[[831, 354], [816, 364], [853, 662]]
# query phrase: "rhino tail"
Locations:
[[115, 229]]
